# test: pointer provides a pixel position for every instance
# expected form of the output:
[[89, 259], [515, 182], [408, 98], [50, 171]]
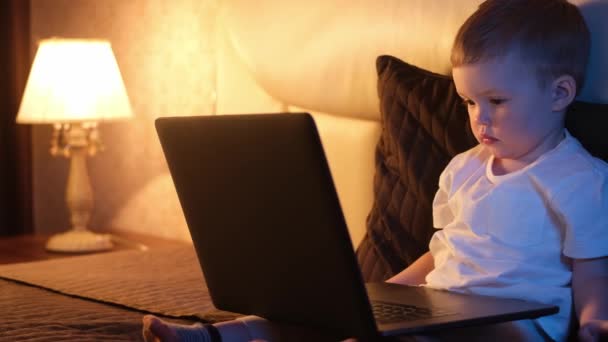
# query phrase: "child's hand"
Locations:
[[593, 331]]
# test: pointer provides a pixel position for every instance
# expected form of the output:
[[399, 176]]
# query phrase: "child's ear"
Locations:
[[563, 92]]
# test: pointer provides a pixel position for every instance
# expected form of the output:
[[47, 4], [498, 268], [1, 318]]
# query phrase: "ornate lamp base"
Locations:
[[79, 241], [76, 141]]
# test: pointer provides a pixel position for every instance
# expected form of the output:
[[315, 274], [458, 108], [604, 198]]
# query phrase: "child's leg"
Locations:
[[523, 330], [253, 328], [249, 328]]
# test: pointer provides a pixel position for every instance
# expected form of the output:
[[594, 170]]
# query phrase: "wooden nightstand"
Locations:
[[31, 247]]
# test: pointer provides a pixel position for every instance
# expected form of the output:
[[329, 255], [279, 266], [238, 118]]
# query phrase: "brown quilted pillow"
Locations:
[[424, 125]]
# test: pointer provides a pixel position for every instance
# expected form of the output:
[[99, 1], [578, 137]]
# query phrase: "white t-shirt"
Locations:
[[513, 235]]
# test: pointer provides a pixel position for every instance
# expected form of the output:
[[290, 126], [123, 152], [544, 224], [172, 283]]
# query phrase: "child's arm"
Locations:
[[589, 284], [415, 273]]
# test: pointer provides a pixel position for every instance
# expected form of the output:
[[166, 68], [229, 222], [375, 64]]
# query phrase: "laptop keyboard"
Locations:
[[391, 312]]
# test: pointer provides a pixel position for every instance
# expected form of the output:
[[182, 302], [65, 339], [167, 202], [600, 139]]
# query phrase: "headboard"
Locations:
[[319, 56]]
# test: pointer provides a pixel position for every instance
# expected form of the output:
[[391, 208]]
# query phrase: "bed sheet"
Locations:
[[29, 313], [102, 297]]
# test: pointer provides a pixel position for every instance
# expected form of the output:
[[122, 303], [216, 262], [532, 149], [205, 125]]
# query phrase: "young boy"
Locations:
[[525, 213]]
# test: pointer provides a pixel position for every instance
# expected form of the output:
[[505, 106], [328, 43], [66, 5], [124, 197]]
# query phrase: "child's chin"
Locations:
[[499, 153]]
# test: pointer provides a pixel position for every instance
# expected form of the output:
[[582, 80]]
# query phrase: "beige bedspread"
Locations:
[[89, 297], [28, 313]]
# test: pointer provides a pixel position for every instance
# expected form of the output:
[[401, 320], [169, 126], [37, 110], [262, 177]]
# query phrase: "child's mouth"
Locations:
[[488, 139]]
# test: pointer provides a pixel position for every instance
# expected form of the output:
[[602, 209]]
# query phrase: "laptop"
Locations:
[[271, 239]]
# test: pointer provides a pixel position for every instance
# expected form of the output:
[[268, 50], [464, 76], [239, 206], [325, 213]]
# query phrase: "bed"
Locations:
[[319, 57], [104, 296]]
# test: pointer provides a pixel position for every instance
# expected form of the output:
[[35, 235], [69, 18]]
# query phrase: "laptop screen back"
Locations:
[[265, 219]]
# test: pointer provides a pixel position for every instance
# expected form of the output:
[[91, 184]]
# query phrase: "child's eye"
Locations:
[[467, 102], [497, 101]]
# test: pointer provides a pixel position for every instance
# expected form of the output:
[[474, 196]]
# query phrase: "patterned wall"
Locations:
[[165, 50]]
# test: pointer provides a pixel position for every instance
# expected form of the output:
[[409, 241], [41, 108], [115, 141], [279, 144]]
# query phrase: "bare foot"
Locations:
[[155, 330]]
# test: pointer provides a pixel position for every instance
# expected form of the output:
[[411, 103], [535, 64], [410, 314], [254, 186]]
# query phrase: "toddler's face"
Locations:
[[510, 112]]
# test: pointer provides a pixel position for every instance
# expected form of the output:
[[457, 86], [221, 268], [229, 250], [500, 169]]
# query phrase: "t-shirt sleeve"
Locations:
[[442, 214], [583, 210]]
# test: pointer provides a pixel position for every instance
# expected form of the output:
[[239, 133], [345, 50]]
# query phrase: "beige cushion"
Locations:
[[320, 54], [596, 84], [349, 146]]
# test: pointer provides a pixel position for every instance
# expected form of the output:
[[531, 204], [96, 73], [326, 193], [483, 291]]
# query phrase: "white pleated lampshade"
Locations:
[[74, 80]]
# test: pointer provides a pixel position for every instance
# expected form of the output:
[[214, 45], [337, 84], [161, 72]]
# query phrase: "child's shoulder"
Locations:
[[464, 164], [472, 158], [572, 170], [574, 161]]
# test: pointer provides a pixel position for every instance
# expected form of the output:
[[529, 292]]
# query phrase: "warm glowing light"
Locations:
[[74, 80]]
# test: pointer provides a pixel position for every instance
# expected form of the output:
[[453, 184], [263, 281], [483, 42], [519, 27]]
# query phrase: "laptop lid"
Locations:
[[247, 181]]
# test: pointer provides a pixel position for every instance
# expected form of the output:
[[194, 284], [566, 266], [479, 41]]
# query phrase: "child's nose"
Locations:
[[482, 116]]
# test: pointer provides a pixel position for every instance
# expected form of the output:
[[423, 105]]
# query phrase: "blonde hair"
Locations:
[[550, 35]]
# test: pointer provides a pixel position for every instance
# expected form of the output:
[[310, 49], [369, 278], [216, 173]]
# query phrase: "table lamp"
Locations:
[[74, 84]]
